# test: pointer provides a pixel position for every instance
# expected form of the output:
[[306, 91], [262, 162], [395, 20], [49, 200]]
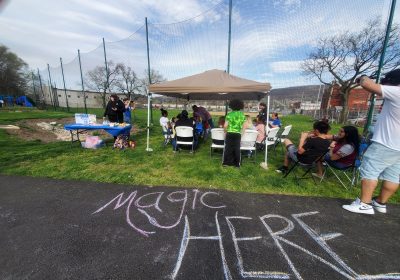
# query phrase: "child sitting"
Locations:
[[221, 122], [199, 130], [260, 127], [172, 126]]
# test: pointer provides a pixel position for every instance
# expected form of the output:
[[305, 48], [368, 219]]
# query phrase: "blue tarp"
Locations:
[[23, 101], [8, 100]]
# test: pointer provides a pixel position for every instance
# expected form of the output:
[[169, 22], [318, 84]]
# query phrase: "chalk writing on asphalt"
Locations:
[[280, 237]]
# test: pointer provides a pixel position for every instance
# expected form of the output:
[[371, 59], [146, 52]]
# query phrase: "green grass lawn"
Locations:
[[158, 168]]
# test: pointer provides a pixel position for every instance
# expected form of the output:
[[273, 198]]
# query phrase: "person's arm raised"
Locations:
[[369, 85]]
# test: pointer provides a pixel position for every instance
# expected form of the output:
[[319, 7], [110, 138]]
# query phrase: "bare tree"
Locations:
[[127, 82], [342, 58], [155, 78], [103, 81]]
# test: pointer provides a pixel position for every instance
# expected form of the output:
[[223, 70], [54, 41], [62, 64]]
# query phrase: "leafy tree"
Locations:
[[13, 73], [342, 58], [103, 81]]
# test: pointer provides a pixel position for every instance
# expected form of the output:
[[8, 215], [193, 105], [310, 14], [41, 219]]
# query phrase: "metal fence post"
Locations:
[[381, 61], [65, 89], [83, 87], [41, 89], [51, 88], [34, 89], [148, 70], [107, 85]]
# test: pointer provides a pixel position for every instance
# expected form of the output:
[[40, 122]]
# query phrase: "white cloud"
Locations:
[[285, 66], [42, 33]]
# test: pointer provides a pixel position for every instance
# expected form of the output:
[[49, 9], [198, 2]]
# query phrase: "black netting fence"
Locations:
[[271, 40]]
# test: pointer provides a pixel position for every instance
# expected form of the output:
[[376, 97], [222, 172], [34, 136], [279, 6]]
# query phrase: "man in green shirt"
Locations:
[[233, 127]]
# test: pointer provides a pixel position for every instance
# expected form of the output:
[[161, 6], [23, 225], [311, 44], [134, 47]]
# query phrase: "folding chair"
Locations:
[[271, 137], [248, 142], [184, 132], [284, 135], [356, 172], [342, 173], [218, 139], [337, 171], [307, 166]]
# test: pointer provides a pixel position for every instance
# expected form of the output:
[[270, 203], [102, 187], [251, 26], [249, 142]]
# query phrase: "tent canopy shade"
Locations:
[[212, 85]]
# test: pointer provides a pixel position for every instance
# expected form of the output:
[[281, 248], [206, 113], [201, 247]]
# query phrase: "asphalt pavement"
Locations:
[[60, 229]]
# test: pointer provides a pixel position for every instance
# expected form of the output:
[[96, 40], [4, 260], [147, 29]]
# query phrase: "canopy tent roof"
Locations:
[[212, 85]]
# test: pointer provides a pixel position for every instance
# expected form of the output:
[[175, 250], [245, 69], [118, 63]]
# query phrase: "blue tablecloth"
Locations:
[[113, 130]]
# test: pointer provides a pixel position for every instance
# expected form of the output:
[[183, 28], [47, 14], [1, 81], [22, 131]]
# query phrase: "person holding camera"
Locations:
[[129, 107], [382, 158]]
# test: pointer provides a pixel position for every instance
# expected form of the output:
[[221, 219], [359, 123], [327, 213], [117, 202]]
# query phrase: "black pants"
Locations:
[[232, 149]]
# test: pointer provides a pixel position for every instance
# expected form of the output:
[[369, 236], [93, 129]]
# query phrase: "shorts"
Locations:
[[380, 162], [292, 152]]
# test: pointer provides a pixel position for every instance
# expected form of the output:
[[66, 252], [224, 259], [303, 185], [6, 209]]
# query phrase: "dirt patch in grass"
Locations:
[[50, 130]]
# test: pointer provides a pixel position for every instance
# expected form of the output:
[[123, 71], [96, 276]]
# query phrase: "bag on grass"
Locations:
[[122, 142], [92, 142]]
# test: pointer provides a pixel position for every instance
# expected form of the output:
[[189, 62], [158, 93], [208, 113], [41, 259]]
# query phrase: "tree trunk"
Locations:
[[345, 110], [103, 99]]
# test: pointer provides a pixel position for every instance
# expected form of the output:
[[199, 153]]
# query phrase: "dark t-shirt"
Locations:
[[314, 147], [185, 122], [262, 115]]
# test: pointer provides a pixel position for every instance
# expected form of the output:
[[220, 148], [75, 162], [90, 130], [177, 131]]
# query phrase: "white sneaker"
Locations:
[[381, 208], [357, 206]]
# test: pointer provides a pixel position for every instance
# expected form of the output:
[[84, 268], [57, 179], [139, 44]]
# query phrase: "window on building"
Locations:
[[78, 96], [69, 96], [59, 95]]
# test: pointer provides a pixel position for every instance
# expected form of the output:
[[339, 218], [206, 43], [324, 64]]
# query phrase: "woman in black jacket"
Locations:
[[115, 109]]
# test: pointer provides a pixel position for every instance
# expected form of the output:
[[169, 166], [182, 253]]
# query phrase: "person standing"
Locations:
[[204, 115], [114, 109], [262, 112], [233, 127], [129, 107], [382, 158]]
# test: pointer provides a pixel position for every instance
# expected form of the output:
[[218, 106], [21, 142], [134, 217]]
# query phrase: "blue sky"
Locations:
[[270, 38]]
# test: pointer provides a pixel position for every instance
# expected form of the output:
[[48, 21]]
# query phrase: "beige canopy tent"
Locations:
[[210, 85]]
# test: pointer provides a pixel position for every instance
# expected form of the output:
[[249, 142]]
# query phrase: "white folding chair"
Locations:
[[184, 132], [248, 142], [284, 135], [218, 139], [271, 137]]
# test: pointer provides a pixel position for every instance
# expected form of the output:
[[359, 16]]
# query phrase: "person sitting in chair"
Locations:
[[342, 151], [275, 121], [184, 120], [311, 146]]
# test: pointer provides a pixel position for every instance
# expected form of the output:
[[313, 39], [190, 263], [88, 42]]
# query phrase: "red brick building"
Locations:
[[357, 101]]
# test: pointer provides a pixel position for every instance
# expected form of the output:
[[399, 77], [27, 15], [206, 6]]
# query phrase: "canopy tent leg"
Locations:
[[265, 163], [148, 149]]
